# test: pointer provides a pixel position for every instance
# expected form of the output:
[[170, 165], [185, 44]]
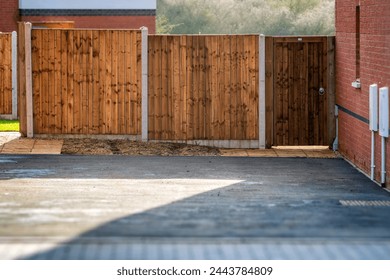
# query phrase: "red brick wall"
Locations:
[[105, 22], [354, 134], [9, 15]]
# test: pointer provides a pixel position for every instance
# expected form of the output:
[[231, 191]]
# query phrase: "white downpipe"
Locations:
[[383, 163], [372, 155], [373, 124]]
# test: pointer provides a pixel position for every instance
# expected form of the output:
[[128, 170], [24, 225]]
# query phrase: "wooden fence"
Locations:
[[223, 90], [86, 81], [203, 87], [5, 73]]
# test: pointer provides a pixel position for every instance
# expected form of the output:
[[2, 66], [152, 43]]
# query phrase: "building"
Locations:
[[116, 14], [362, 59]]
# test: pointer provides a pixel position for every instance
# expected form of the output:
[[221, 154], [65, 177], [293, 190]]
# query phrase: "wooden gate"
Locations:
[[303, 91]]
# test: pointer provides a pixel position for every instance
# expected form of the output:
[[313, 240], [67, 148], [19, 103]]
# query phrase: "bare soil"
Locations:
[[135, 148]]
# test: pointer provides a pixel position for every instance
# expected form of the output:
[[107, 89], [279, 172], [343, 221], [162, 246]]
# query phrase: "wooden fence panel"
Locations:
[[203, 87], [86, 81], [5, 73]]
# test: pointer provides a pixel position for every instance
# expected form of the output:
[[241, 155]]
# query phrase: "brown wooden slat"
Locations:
[[269, 91], [5, 73]]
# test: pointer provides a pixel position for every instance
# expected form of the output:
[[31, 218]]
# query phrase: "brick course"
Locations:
[[9, 15], [354, 134]]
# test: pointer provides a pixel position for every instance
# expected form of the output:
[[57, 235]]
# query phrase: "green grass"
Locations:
[[6, 125]]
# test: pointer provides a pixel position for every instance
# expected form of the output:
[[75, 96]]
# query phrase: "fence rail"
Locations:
[[5, 73]]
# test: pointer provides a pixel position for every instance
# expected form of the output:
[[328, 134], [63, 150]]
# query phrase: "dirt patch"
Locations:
[[134, 148]]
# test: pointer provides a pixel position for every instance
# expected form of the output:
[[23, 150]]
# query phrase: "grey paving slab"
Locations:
[[70, 199]]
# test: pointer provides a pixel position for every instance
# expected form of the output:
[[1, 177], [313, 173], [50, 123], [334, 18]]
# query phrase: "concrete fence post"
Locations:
[[29, 95], [14, 75], [262, 116], [145, 124]]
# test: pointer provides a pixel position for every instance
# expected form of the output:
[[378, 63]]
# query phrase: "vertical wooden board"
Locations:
[[227, 91], [234, 133], [220, 131], [300, 89], [134, 81], [85, 81], [64, 81], [164, 89], [36, 59], [169, 88], [208, 87], [151, 86], [129, 118], [202, 98], [291, 96], [269, 91], [88, 128], [2, 62], [213, 86], [135, 72], [51, 95], [95, 83], [195, 87], [109, 65], [285, 93], [241, 97], [314, 93], [84, 69], [114, 82], [306, 98], [248, 103], [324, 97], [121, 82], [278, 93], [102, 81], [183, 87], [77, 67], [254, 88], [58, 81], [138, 87], [190, 88], [176, 110], [2, 80], [46, 87], [5, 74], [158, 85], [71, 49]]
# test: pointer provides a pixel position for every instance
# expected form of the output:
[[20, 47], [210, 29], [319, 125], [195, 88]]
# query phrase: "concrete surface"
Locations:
[[12, 143], [118, 207]]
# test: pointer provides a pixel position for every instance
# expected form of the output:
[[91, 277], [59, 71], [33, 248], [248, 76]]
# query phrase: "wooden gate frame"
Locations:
[[269, 84]]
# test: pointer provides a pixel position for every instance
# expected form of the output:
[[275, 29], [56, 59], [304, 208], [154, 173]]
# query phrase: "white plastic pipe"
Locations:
[[383, 163], [372, 155]]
